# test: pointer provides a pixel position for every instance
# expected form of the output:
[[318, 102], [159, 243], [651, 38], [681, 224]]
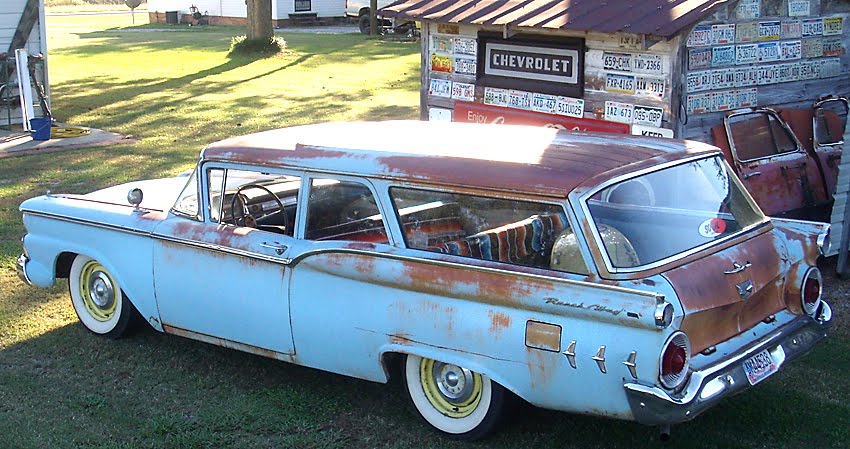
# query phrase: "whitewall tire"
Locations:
[[97, 298], [460, 403]]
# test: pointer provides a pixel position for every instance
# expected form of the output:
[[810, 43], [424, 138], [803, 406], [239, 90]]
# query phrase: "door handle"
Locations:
[[278, 248], [750, 175], [738, 268]]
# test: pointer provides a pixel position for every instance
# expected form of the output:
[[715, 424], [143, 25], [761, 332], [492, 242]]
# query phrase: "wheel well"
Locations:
[[63, 264], [393, 363], [363, 12]]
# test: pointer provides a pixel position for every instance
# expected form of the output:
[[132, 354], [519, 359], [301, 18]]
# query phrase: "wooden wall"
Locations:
[[776, 53], [640, 71]]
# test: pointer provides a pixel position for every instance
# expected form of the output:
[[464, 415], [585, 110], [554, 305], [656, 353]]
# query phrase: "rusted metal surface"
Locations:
[[714, 307], [228, 343], [800, 183], [482, 156], [655, 17], [543, 336]]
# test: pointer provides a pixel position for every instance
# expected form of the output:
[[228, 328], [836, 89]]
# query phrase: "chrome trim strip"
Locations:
[[230, 344], [75, 220], [223, 249], [302, 256], [584, 198]]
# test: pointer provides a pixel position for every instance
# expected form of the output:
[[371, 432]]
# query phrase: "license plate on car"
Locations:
[[759, 367]]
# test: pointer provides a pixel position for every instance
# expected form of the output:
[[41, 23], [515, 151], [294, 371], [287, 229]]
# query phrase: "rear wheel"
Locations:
[[97, 298], [460, 403]]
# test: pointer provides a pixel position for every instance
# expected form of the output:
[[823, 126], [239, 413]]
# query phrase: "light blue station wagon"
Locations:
[[617, 276]]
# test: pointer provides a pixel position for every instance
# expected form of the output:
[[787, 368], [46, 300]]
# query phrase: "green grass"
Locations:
[[61, 387]]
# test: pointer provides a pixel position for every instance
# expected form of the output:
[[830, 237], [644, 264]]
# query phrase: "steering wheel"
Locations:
[[249, 220]]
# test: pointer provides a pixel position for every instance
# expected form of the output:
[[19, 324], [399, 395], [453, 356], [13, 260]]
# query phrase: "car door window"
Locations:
[[187, 202], [256, 199], [830, 119], [343, 210], [758, 135], [517, 232]]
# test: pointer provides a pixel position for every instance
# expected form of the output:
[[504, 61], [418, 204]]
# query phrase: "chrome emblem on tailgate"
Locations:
[[745, 289]]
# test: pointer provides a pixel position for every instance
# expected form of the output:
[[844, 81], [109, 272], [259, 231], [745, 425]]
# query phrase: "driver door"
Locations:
[[220, 270]]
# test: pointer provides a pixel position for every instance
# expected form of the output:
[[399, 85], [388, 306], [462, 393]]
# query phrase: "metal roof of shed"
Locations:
[[664, 18], [526, 159]]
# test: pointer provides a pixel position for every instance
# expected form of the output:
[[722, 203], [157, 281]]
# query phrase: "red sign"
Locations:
[[484, 113]]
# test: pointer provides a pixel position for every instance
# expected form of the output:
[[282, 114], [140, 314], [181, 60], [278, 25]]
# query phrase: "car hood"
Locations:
[[159, 194]]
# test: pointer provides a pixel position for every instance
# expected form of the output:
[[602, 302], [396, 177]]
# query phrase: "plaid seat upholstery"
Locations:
[[526, 242]]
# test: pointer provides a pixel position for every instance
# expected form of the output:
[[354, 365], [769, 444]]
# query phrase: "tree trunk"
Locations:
[[373, 17], [260, 19]]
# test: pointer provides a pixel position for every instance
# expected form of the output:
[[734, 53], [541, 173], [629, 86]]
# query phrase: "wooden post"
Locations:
[[842, 200]]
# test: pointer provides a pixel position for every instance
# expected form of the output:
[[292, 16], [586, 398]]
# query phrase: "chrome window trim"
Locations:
[[819, 105], [609, 266], [782, 124]]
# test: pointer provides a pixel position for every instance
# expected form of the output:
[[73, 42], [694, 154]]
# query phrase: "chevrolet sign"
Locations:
[[556, 65]]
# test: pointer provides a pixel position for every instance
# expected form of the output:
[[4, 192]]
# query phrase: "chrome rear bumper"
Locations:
[[709, 385], [21, 267]]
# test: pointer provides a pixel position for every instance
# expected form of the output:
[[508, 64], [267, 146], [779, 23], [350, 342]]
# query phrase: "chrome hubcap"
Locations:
[[455, 383], [101, 291]]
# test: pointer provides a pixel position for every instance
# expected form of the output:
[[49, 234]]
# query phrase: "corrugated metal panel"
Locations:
[[498, 157], [664, 18]]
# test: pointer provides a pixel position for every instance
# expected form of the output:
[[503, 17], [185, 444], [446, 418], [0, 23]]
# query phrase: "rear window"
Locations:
[[658, 216]]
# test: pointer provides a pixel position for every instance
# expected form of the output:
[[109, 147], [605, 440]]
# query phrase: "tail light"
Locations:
[[811, 292], [675, 360]]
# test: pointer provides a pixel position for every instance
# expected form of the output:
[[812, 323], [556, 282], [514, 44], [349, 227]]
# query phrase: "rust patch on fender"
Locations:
[[499, 321]]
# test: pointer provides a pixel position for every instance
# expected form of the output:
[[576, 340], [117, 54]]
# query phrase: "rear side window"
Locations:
[[758, 135], [517, 232], [344, 210]]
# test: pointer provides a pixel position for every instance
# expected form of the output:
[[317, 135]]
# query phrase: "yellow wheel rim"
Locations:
[[453, 391], [98, 291]]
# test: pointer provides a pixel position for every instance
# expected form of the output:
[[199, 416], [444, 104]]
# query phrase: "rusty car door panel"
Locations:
[[232, 283], [772, 163]]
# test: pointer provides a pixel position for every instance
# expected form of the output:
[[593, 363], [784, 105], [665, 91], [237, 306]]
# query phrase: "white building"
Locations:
[[21, 26], [234, 12]]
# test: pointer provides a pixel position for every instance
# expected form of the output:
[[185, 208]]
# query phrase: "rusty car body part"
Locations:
[[799, 179], [335, 271]]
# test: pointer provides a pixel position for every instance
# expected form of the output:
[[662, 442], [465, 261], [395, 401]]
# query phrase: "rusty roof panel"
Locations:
[[664, 18], [521, 159]]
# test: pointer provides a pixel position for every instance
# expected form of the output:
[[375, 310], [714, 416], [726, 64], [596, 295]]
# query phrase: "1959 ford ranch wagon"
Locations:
[[618, 276]]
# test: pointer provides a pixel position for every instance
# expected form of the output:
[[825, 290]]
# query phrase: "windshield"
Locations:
[[650, 218]]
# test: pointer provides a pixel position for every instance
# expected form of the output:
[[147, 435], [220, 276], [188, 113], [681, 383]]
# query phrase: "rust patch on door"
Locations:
[[499, 321]]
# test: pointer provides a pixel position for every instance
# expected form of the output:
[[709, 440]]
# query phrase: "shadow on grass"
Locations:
[[164, 391], [340, 48]]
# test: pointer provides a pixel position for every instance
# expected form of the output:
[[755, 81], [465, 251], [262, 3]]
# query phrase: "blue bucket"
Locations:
[[40, 128]]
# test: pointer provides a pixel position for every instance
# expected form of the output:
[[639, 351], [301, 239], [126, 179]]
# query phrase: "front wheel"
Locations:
[[461, 403], [98, 300]]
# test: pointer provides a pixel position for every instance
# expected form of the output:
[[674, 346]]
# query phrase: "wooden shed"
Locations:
[[21, 27], [669, 68], [235, 12]]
